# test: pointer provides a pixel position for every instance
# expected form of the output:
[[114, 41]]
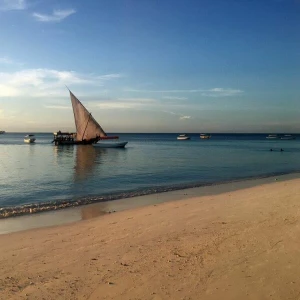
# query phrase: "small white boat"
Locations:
[[273, 137], [288, 137], [30, 138], [183, 137], [109, 144], [205, 136]]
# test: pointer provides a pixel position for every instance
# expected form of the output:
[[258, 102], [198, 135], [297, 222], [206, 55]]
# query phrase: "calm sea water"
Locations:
[[42, 172]]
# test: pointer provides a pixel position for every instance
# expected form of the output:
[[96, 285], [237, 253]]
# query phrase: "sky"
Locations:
[[151, 65]]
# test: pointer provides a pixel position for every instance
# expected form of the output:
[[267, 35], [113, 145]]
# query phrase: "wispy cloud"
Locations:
[[46, 82], [138, 100], [139, 104], [8, 61], [170, 112], [162, 91], [127, 103], [57, 107], [214, 92], [114, 105], [56, 16], [174, 98], [221, 92], [110, 76], [181, 116], [6, 5], [185, 117]]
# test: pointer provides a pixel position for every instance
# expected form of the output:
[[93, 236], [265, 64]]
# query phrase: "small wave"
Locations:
[[15, 211]]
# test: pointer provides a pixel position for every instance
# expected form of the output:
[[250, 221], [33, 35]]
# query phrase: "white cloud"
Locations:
[[221, 92], [126, 103], [185, 117], [174, 98], [139, 104], [57, 107], [138, 100], [214, 92], [181, 116], [162, 91], [114, 105], [6, 5], [110, 76], [56, 16], [5, 60], [46, 82], [171, 113]]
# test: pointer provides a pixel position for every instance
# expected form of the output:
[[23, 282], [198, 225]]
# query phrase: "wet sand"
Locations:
[[84, 212], [238, 244]]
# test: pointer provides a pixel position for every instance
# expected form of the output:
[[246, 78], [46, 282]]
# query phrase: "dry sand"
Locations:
[[242, 244]]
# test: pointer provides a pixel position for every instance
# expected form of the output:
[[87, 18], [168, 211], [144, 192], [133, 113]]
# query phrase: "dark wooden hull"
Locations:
[[59, 142]]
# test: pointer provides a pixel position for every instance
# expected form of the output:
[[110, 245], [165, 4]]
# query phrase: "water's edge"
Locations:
[[7, 212]]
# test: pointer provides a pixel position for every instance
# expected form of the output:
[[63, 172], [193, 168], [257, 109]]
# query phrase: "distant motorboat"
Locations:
[[183, 137], [2, 132], [288, 137], [29, 139], [273, 136], [205, 136], [109, 144]]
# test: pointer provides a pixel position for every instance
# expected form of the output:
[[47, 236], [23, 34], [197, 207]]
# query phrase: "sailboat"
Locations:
[[88, 130]]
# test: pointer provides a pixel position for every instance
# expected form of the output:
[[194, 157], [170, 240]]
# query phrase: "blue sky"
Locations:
[[151, 66]]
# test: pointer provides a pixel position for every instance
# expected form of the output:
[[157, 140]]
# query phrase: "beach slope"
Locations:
[[236, 245]]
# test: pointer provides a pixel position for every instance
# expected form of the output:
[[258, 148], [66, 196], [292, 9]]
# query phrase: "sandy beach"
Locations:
[[241, 244]]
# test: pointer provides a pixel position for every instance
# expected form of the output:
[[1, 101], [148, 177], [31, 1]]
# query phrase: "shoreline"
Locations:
[[34, 208], [48, 216], [237, 244]]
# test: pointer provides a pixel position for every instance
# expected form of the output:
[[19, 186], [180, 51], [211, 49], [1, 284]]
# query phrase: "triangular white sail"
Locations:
[[86, 126]]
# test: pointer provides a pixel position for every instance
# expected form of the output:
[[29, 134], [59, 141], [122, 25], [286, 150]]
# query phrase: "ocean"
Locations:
[[150, 163]]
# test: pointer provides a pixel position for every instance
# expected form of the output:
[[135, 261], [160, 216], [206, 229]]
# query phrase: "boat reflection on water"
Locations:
[[91, 162], [61, 154], [94, 161], [85, 162], [93, 211], [90, 168]]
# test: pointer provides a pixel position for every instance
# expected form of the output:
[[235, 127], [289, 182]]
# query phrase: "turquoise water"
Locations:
[[150, 163]]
